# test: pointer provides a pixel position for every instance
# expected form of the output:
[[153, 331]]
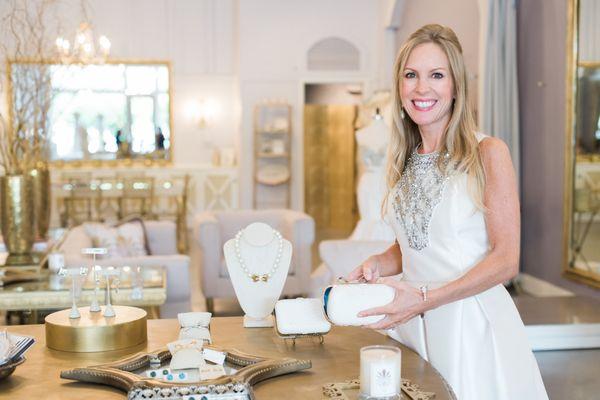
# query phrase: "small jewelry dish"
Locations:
[[7, 369], [300, 318]]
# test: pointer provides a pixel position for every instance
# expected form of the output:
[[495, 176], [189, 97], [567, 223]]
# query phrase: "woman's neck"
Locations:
[[432, 136]]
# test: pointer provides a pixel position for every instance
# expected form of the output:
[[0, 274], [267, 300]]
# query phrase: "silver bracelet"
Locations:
[[423, 290]]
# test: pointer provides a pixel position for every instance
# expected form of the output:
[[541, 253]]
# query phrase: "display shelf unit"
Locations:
[[272, 155]]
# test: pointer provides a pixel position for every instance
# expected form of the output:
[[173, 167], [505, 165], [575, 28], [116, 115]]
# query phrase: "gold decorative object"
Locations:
[[93, 332], [40, 186], [16, 214], [343, 390], [249, 370], [329, 167]]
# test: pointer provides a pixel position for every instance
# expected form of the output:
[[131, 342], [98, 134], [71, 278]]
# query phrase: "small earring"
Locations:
[[402, 112]]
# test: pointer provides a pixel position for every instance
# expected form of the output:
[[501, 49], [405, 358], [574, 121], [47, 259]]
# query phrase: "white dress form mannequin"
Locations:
[[372, 142], [259, 246]]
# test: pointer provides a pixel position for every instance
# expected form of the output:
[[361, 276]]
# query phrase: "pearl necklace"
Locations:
[[254, 276]]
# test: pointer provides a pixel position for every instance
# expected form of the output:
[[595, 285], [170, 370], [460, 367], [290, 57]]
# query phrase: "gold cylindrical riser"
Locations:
[[92, 332], [40, 183], [16, 209]]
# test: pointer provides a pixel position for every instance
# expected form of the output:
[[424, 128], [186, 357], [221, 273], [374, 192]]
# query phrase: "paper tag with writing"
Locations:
[[214, 356], [209, 371], [382, 382]]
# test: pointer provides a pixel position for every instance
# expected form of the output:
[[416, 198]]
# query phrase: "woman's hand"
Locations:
[[407, 304], [368, 271]]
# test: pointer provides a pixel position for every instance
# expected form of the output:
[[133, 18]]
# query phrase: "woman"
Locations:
[[454, 207]]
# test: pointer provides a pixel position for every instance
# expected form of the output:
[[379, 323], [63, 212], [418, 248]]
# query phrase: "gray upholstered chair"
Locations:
[[162, 242], [212, 229]]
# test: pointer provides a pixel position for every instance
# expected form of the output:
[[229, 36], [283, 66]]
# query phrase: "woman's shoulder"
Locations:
[[492, 149]]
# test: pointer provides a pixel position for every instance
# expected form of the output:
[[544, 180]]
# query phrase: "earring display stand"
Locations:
[[93, 332]]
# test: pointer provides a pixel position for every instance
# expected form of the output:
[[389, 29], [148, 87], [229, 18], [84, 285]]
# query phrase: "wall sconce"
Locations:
[[202, 112]]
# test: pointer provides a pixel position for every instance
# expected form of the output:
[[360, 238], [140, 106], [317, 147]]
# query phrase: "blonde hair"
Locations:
[[459, 139]]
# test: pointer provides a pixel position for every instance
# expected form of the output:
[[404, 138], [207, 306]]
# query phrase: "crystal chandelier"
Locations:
[[83, 50]]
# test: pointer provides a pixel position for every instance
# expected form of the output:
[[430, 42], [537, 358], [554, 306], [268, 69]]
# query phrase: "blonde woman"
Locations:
[[454, 207]]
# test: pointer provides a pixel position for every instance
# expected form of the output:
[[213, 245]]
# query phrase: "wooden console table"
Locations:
[[336, 360]]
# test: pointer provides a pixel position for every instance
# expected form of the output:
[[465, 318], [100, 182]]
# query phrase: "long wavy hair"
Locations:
[[459, 138]]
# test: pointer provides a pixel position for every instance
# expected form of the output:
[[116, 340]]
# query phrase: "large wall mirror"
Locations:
[[582, 190], [111, 112]]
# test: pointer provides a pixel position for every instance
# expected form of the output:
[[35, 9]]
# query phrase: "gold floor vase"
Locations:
[[40, 184], [16, 212]]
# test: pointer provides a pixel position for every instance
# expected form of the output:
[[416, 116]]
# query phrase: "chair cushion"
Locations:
[[125, 240]]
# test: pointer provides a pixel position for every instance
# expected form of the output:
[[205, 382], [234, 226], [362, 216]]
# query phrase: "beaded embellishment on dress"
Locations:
[[417, 193]]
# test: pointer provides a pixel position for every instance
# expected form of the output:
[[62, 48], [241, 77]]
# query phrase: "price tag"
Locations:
[[94, 250], [214, 356]]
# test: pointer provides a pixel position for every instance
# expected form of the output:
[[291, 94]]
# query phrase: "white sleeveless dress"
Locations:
[[478, 344]]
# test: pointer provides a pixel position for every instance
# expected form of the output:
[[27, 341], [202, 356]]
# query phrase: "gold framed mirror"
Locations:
[[582, 144], [137, 375], [115, 113]]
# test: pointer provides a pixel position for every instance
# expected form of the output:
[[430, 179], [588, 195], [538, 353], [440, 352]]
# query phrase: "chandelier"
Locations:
[[84, 50]]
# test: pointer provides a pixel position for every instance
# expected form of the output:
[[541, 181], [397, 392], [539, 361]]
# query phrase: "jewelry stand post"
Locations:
[[75, 274], [95, 306]]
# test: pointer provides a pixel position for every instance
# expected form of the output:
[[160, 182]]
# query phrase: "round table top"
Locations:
[[335, 360]]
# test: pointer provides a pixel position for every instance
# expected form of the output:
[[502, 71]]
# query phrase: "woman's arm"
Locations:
[[503, 223], [385, 264], [500, 264]]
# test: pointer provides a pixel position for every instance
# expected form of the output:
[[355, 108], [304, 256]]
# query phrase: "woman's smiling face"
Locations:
[[427, 87]]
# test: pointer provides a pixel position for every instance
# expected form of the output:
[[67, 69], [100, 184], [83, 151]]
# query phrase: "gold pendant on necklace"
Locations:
[[258, 278]]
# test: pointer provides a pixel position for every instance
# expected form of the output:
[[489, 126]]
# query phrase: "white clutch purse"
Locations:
[[343, 302], [301, 317]]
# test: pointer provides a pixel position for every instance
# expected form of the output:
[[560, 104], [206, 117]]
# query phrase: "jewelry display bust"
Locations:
[[258, 260]]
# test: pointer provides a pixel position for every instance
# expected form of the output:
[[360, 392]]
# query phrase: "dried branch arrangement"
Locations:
[[27, 52]]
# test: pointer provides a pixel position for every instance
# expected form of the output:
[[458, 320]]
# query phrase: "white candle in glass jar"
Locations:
[[380, 372]]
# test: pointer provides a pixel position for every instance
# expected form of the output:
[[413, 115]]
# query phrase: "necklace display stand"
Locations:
[[258, 260]]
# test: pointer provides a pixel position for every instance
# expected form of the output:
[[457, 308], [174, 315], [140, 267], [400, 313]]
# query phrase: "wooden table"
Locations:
[[336, 360]]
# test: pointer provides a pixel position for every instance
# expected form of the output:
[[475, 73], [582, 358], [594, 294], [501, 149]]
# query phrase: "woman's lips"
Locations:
[[424, 105]]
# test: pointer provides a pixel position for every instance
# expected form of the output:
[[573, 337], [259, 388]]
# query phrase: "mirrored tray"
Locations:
[[147, 376]]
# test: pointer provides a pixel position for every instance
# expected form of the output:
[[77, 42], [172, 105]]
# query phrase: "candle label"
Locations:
[[383, 383]]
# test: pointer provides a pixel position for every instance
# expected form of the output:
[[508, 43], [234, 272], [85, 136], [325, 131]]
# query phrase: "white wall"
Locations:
[[274, 37], [238, 52]]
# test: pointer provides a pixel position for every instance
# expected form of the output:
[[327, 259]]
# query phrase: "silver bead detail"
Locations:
[[418, 192]]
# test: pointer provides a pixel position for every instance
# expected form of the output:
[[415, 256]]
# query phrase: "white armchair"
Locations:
[[212, 229], [162, 242]]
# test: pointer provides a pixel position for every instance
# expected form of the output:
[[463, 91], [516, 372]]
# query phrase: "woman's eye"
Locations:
[[409, 75], [437, 75]]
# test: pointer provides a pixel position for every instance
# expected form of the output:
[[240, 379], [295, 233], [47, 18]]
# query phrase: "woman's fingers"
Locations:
[[367, 273], [356, 274], [387, 309]]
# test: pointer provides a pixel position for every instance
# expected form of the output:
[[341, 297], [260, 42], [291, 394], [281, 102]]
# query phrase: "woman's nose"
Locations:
[[422, 86]]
